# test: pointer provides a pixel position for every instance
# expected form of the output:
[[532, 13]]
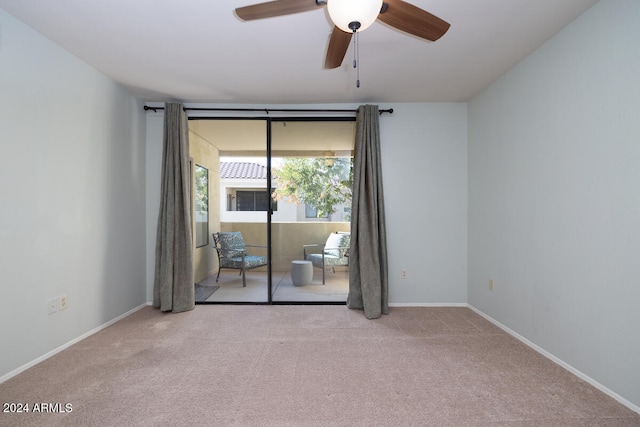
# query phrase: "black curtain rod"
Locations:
[[266, 110]]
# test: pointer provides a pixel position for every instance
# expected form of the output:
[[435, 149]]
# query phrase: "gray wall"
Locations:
[[424, 154], [72, 189], [554, 197]]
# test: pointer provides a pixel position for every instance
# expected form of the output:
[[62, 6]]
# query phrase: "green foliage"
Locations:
[[202, 189], [320, 182]]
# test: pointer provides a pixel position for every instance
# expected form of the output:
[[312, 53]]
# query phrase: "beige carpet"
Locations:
[[239, 365]]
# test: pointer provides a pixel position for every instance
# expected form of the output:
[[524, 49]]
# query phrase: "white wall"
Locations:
[[554, 197], [72, 192], [424, 156]]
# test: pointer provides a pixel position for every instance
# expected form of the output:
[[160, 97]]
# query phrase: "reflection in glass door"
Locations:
[[311, 171]]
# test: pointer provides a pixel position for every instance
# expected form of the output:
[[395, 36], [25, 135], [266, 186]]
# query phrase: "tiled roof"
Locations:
[[242, 170]]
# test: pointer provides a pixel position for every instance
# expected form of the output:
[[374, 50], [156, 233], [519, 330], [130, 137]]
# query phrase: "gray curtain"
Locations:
[[173, 288], [368, 270]]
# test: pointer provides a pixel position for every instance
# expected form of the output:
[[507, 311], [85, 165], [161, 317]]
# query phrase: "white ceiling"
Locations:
[[199, 51], [231, 137]]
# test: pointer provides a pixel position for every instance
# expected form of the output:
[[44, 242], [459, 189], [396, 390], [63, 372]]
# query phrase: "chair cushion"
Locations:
[[335, 241], [232, 244], [329, 260], [250, 261], [253, 261]]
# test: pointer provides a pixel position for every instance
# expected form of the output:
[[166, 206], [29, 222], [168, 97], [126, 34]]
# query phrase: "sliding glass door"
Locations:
[[239, 207], [311, 170], [282, 187]]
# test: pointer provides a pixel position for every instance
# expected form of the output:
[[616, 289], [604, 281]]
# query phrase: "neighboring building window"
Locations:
[[254, 201], [311, 212]]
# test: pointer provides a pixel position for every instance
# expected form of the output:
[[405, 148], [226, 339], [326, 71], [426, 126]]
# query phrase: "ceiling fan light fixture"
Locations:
[[353, 15]]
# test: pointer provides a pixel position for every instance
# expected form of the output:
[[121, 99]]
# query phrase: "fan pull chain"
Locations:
[[356, 56]]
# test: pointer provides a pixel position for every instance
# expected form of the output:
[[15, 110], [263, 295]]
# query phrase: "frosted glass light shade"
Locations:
[[343, 12]]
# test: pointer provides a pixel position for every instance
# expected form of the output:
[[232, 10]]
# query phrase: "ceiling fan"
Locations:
[[355, 16]]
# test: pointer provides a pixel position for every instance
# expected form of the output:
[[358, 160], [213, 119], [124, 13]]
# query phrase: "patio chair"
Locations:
[[334, 253], [232, 253]]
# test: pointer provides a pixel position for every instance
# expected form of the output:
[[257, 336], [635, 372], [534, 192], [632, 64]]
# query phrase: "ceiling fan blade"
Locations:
[[275, 8], [338, 45], [413, 20]]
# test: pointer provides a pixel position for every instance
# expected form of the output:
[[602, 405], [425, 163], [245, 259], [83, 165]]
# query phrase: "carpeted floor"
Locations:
[[247, 365]]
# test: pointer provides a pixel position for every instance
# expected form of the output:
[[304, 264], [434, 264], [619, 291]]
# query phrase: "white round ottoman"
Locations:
[[301, 272]]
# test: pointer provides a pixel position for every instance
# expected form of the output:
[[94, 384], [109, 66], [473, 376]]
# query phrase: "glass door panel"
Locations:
[[311, 169], [239, 201]]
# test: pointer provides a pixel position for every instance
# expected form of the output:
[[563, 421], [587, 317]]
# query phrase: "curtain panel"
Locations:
[[173, 288], [368, 269]]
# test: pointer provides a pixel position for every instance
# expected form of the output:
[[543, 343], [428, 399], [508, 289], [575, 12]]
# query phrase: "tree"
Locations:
[[320, 182]]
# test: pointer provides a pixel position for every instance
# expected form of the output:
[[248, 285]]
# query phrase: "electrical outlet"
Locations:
[[490, 284], [52, 306], [403, 274], [62, 302]]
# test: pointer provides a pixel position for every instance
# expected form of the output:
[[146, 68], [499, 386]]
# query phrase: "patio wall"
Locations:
[[287, 238]]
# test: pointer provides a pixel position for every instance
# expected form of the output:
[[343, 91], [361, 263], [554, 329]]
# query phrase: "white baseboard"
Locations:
[[560, 362], [428, 304], [69, 344]]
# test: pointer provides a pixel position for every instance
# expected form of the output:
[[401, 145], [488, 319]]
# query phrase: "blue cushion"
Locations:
[[250, 261], [232, 244]]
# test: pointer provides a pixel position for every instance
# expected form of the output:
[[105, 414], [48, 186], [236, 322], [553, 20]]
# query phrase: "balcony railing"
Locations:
[[287, 238]]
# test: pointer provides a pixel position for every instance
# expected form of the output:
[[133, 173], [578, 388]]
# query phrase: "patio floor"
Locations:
[[231, 289]]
